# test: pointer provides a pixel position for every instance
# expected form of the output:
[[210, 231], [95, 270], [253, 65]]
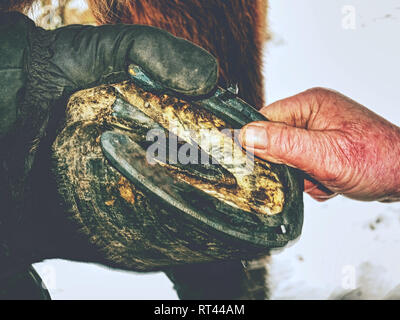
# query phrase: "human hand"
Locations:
[[343, 147]]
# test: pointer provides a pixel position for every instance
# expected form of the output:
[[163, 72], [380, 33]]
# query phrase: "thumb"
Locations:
[[281, 143]]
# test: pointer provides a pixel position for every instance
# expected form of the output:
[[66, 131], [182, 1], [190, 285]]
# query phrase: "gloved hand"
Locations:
[[43, 65]]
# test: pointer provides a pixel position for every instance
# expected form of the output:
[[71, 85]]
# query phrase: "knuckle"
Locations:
[[287, 141], [342, 164], [318, 95], [318, 91]]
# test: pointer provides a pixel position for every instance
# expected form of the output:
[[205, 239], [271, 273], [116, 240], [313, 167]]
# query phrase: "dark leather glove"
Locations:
[[86, 56]]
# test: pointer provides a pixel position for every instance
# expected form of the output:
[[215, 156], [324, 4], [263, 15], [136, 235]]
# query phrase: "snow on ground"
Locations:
[[348, 249]]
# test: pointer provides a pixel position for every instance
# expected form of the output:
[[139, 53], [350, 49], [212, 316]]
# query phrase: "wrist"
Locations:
[[392, 194]]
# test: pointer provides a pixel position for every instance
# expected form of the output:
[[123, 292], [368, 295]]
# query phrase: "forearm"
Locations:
[[387, 175]]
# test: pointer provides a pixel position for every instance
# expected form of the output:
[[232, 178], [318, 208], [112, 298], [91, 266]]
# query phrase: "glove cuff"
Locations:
[[34, 103], [41, 90]]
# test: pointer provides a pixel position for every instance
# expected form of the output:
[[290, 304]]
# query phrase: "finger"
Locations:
[[317, 191], [298, 110], [309, 186], [176, 63], [280, 143], [89, 56], [321, 195]]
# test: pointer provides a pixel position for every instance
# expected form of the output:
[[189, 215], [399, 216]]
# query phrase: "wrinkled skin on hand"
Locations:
[[342, 146]]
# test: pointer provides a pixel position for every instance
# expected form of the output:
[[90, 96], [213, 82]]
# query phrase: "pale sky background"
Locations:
[[345, 244]]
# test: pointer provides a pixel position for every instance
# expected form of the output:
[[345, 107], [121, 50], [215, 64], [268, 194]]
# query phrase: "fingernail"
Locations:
[[254, 136]]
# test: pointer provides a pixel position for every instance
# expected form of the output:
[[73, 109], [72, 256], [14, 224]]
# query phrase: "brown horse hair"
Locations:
[[232, 30]]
